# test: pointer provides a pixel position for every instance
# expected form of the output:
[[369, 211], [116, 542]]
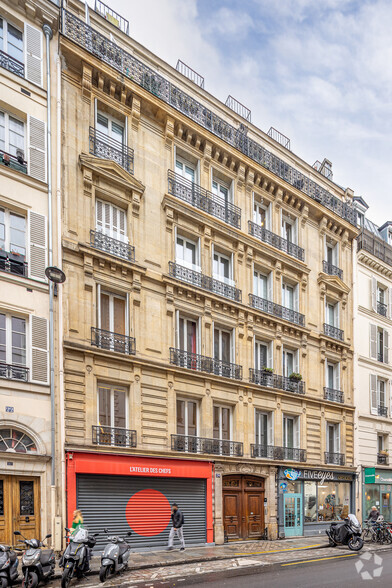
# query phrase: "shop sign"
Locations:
[[370, 475], [382, 477], [292, 474], [283, 486], [318, 475], [148, 470]]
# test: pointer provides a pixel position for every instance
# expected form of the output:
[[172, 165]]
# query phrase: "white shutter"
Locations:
[[336, 315], [390, 303], [335, 255], [107, 223], [39, 350], [37, 245], [337, 438], [122, 225], [386, 346], [33, 54], [270, 285], [98, 306], [374, 293], [115, 227], [36, 133], [373, 394], [270, 420], [297, 433], [373, 342], [99, 216], [337, 377], [390, 398]]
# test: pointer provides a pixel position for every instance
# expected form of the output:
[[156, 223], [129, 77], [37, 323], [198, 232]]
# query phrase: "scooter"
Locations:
[[37, 564], [8, 566], [76, 558], [114, 557], [347, 532]]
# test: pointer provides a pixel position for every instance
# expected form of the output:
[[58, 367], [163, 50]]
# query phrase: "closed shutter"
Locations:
[[390, 303], [337, 438], [390, 398], [33, 54], [39, 350], [373, 342], [297, 433], [37, 245], [374, 293], [337, 377], [270, 295], [99, 216], [386, 346], [271, 428], [373, 394], [104, 499], [36, 133]]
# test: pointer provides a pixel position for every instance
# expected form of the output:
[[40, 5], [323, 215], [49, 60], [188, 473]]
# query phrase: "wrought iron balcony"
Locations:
[[180, 272], [107, 148], [114, 436], [12, 264], [191, 444], [10, 371], [277, 453], [375, 245], [113, 341], [382, 410], [12, 64], [382, 308], [332, 270], [132, 68], [203, 200], [263, 378], [13, 162], [333, 395], [382, 459], [276, 241], [334, 332], [113, 246], [335, 458], [208, 365], [276, 310]]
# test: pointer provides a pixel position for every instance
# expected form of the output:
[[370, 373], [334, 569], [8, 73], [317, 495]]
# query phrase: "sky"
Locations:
[[319, 71]]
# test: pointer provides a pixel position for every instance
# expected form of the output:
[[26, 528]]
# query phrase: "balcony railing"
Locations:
[[382, 459], [334, 332], [11, 371], [332, 270], [191, 444], [263, 378], [375, 245], [208, 365], [11, 161], [113, 246], [107, 148], [113, 341], [333, 395], [275, 240], [276, 310], [198, 279], [12, 64], [278, 453], [382, 308], [114, 436], [132, 68], [203, 200], [335, 458], [382, 410], [10, 263]]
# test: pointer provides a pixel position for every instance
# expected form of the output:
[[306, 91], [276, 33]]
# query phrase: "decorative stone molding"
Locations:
[[135, 112], [169, 132], [87, 82]]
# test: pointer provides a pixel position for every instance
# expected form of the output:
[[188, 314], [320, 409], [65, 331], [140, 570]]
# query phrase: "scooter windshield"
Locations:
[[80, 535], [354, 520]]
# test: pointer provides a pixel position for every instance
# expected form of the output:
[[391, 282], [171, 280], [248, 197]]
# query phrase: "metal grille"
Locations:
[[194, 278], [333, 395], [276, 310], [262, 378], [382, 459], [382, 410], [113, 341], [114, 436], [201, 363], [113, 17], [125, 63], [331, 331], [18, 268], [279, 138], [238, 108], [190, 73], [278, 453], [374, 245], [107, 148], [382, 308], [113, 246], [12, 64], [26, 498], [335, 458], [203, 200], [191, 444], [276, 241], [12, 162], [11, 371], [332, 270]]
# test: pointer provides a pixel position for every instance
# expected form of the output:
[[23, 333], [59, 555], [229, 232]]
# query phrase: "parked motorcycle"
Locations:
[[347, 532], [8, 566], [37, 564], [114, 557], [76, 558]]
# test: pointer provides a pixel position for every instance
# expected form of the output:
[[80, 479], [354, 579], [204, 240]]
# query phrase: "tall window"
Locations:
[[187, 253], [12, 232], [187, 335], [263, 355], [12, 135], [379, 344], [12, 340], [264, 428], [112, 313], [111, 127], [11, 40], [221, 189], [378, 396], [111, 220], [262, 285], [332, 254], [222, 268], [291, 431], [186, 417], [222, 423], [332, 375], [332, 313], [222, 345], [185, 169], [333, 438], [260, 214], [290, 362], [381, 393], [112, 409], [289, 296], [289, 231]]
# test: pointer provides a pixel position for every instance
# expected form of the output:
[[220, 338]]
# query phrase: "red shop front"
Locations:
[[125, 493]]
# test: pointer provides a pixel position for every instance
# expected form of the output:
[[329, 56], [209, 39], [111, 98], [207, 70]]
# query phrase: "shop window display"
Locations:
[[310, 502], [333, 501]]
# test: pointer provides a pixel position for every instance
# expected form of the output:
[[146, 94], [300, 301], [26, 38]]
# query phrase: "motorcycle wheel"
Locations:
[[66, 577], [3, 582], [355, 543], [104, 573], [32, 581]]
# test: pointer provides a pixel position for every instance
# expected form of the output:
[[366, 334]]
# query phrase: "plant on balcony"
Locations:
[[268, 370], [384, 452], [295, 377]]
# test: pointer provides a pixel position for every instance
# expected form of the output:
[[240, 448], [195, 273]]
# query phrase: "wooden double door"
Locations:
[[19, 508], [243, 507]]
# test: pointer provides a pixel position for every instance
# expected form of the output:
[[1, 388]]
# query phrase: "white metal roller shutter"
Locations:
[[103, 501]]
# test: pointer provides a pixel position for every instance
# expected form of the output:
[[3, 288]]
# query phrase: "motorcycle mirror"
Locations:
[[129, 533], [68, 530], [48, 536], [17, 533], [95, 534], [106, 530]]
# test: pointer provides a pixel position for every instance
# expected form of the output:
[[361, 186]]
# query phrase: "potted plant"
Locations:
[[268, 370], [384, 452], [295, 377], [16, 256]]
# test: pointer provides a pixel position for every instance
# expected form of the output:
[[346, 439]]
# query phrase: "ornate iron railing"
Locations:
[[12, 266], [131, 67], [335, 458], [331, 331], [277, 453], [203, 199], [113, 341], [11, 371], [276, 241], [201, 363], [382, 308], [382, 459], [276, 310], [332, 270], [13, 162], [382, 410], [191, 444], [107, 148], [375, 245], [264, 378], [114, 436], [198, 279], [12, 64], [113, 246], [333, 395]]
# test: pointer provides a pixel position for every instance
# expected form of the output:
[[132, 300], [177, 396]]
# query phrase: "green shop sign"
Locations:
[[370, 475]]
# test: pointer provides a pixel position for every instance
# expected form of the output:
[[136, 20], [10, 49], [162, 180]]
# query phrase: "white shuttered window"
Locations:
[[38, 245], [111, 221], [36, 148], [39, 350], [33, 54]]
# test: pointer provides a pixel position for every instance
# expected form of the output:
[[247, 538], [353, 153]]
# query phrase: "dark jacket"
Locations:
[[373, 516], [177, 519]]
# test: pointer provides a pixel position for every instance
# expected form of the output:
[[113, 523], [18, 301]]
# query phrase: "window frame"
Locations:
[[195, 267], [336, 313], [230, 409], [180, 315], [270, 426], [7, 232], [336, 374], [4, 48], [101, 290], [111, 119], [336, 444], [197, 403], [186, 163], [7, 116], [257, 275], [112, 388], [296, 430], [230, 280], [8, 338], [269, 355], [231, 346], [292, 222], [256, 204], [295, 353], [227, 185]]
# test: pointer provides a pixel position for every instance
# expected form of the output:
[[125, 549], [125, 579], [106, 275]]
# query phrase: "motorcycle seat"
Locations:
[[46, 556]]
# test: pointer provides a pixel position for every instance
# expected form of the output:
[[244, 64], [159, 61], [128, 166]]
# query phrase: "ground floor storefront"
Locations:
[[310, 499], [377, 491]]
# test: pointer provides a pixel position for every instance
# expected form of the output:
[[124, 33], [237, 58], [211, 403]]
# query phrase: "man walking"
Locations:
[[177, 529]]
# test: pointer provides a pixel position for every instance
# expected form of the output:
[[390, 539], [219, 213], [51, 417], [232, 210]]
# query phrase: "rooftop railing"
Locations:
[[375, 245], [275, 240]]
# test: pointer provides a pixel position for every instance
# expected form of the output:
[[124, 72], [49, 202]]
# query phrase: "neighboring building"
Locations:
[[373, 370], [26, 498], [208, 306]]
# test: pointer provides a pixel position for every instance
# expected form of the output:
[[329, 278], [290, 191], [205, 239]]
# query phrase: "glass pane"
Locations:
[[189, 173], [119, 315], [330, 376], [191, 337], [216, 422], [179, 167], [343, 500], [119, 397], [16, 135], [226, 347], [26, 498], [18, 340], [104, 407], [105, 317], [330, 255], [327, 501], [330, 440], [117, 132], [225, 423], [372, 498], [310, 507], [2, 131], [190, 253], [180, 417], [102, 123], [17, 234], [224, 268], [261, 429], [2, 338], [216, 344], [192, 418], [181, 326], [15, 43]]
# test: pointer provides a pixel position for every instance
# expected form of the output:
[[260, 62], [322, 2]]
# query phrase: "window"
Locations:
[[289, 296], [112, 313], [332, 253], [15, 441], [333, 500], [262, 285], [11, 40], [111, 221], [12, 135], [263, 355], [291, 432], [187, 417], [381, 392], [13, 233], [333, 438], [221, 189], [112, 406], [222, 268], [332, 375], [289, 229], [111, 127], [264, 429], [222, 345], [187, 253], [381, 443], [379, 344], [185, 169], [187, 335], [332, 314], [12, 340], [310, 507], [378, 396], [260, 214], [360, 219], [222, 423], [290, 362]]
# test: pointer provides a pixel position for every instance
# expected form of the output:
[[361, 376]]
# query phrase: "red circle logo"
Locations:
[[148, 512]]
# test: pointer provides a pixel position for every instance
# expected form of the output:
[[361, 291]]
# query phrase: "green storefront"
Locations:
[[377, 491]]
